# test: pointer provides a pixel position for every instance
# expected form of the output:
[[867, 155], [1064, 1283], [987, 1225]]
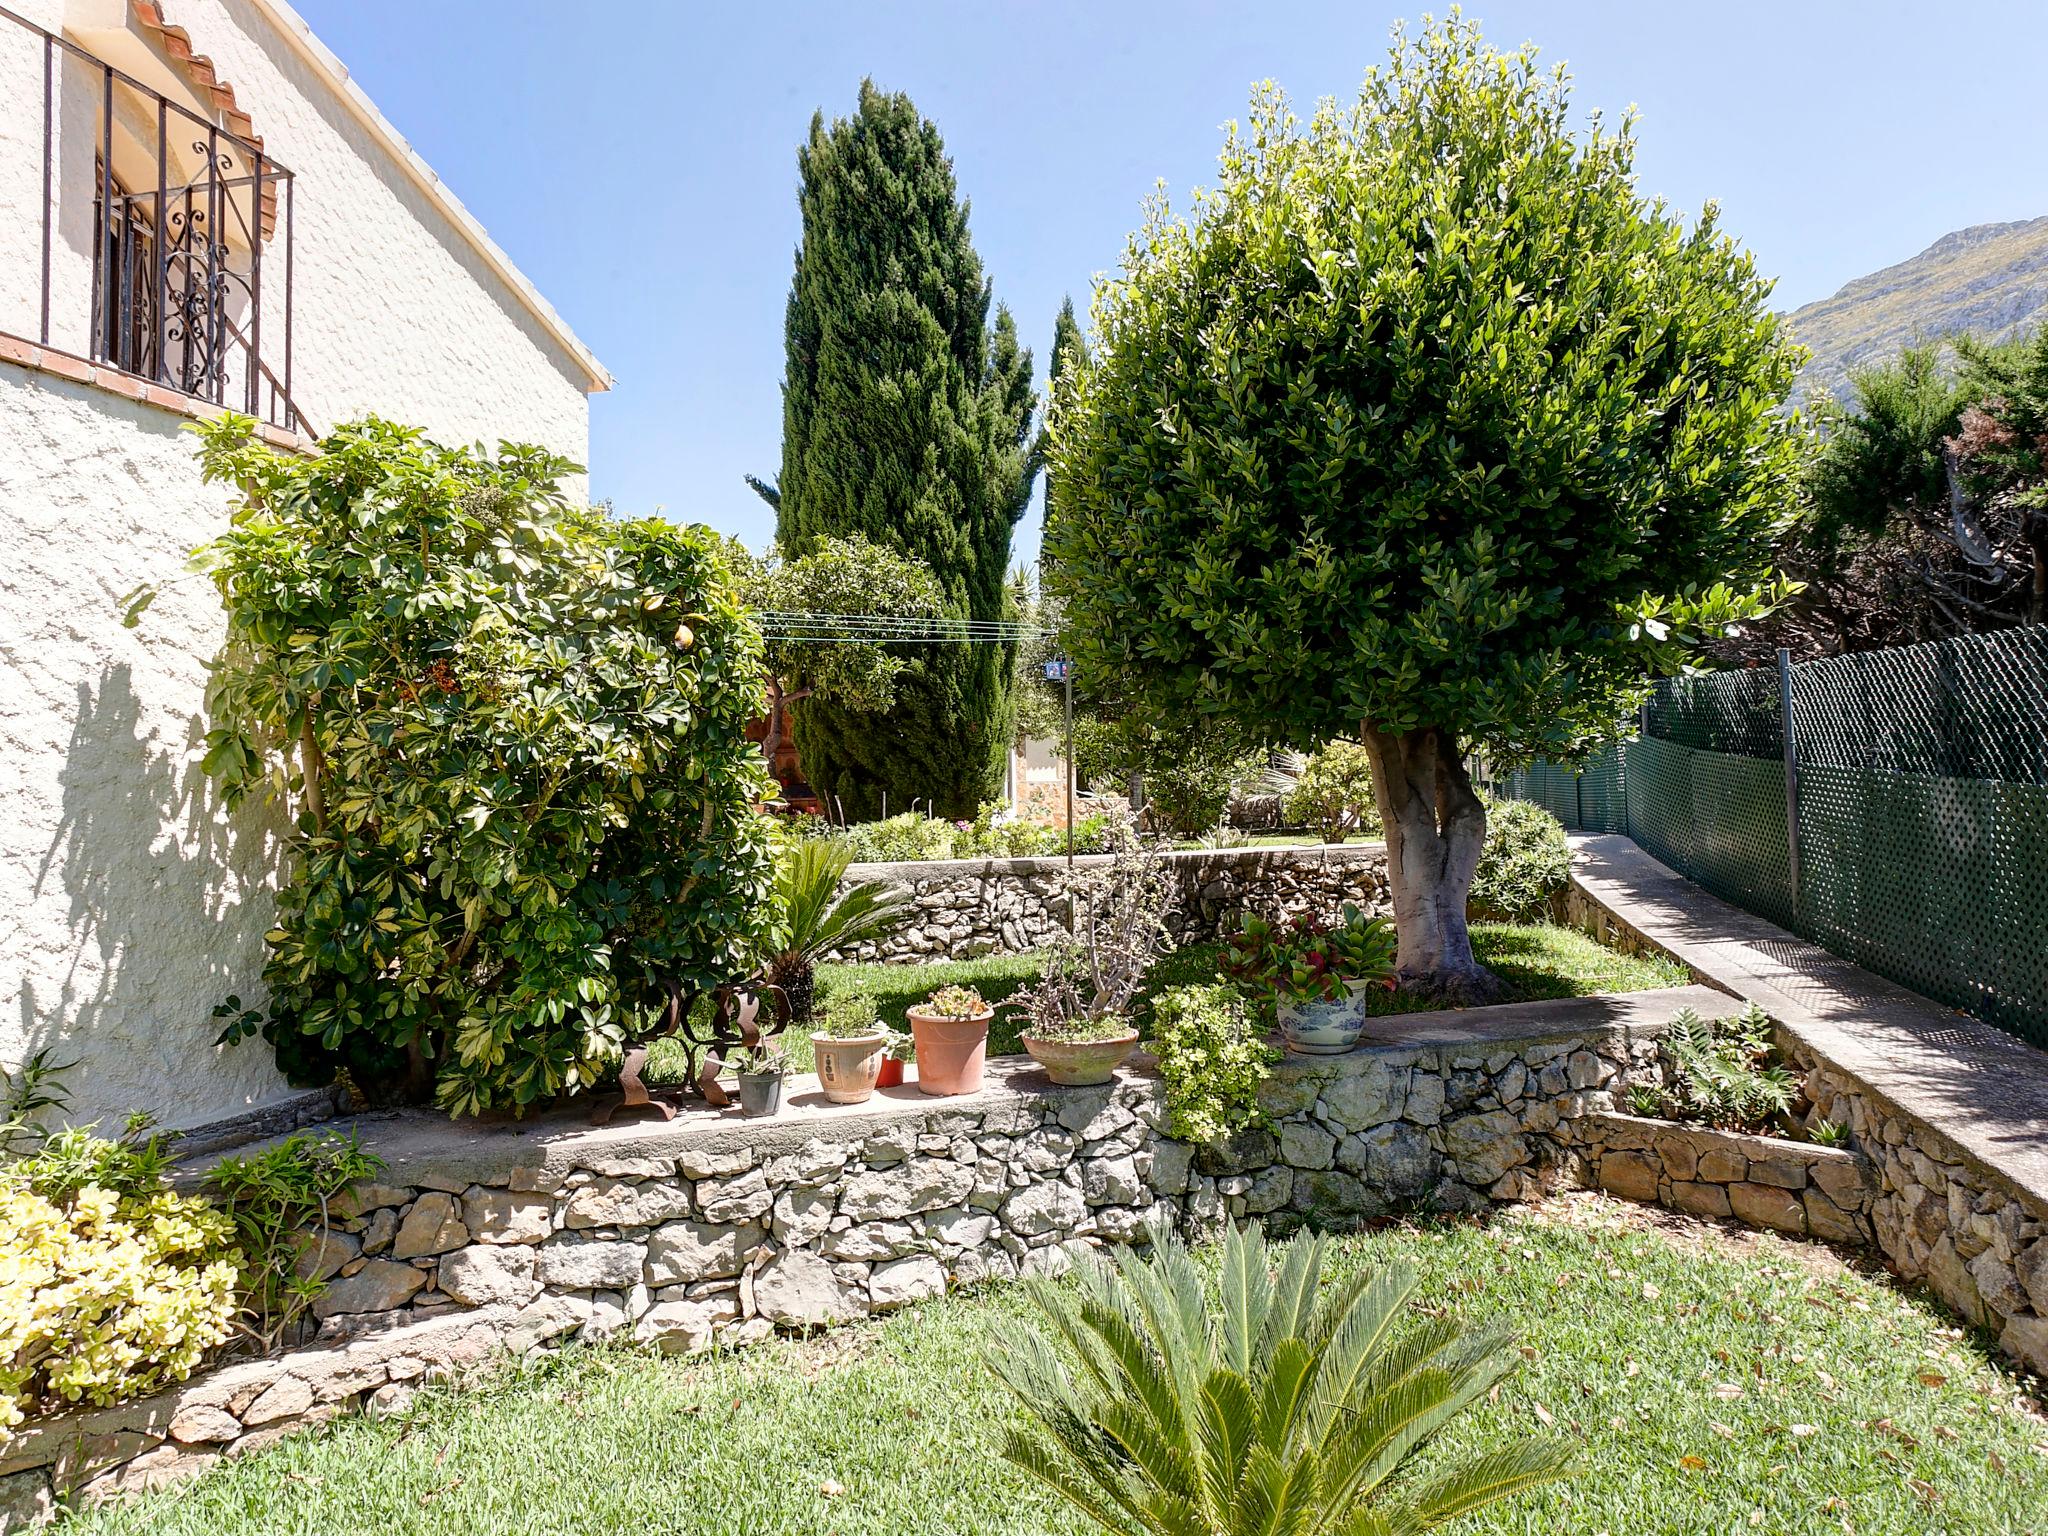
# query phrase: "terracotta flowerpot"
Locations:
[[848, 1066], [950, 1052], [891, 1075], [1323, 1028], [1081, 1063], [760, 1093]]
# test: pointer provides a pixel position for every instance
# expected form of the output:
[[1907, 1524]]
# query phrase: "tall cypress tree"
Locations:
[[906, 417], [1068, 351]]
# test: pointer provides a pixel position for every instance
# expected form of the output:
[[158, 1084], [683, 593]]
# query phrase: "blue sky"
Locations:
[[637, 158]]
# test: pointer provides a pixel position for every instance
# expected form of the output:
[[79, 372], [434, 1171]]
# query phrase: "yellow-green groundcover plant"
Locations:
[[106, 1296]]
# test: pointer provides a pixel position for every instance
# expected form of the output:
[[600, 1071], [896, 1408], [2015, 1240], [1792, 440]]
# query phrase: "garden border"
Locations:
[[1952, 1113]]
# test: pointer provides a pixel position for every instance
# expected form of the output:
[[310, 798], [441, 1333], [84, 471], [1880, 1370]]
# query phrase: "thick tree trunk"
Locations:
[[1436, 828]]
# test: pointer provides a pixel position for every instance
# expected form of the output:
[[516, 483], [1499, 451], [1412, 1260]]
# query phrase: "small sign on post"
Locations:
[[1061, 670]]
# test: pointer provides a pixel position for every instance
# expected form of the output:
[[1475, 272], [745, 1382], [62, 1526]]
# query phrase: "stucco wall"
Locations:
[[393, 311], [129, 906]]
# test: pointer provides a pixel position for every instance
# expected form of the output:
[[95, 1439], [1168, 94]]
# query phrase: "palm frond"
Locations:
[[1281, 1410], [1503, 1471]]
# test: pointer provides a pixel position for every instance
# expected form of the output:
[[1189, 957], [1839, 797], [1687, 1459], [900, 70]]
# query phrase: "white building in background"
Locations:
[[198, 211]]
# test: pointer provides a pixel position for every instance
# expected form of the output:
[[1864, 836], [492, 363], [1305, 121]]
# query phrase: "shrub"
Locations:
[[514, 734], [1189, 779], [1525, 864], [906, 839], [1278, 1406], [1212, 1060], [813, 916], [1305, 960], [1334, 794], [111, 1285], [913, 837], [1091, 983], [278, 1201], [1721, 1072]]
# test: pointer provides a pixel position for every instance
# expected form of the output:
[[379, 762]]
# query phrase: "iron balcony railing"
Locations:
[[187, 227]]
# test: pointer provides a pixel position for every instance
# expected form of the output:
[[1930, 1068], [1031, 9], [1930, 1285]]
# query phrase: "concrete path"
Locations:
[[1983, 1089]]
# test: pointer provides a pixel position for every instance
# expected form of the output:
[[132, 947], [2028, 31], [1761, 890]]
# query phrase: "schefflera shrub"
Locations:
[[512, 733]]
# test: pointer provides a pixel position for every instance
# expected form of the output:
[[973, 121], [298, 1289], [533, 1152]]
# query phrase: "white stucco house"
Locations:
[[198, 210]]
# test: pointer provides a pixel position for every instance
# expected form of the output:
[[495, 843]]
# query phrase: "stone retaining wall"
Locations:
[[1976, 1235], [1790, 1186], [482, 1239], [1942, 1217], [970, 907]]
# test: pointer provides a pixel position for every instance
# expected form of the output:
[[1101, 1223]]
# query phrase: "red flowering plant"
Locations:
[[1305, 960]]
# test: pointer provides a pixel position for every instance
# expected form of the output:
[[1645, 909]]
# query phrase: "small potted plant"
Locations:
[[900, 1051], [1317, 975], [949, 1031], [848, 1046], [1078, 1016], [760, 1070]]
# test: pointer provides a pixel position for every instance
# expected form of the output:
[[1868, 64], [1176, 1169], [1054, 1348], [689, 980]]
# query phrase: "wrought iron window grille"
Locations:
[[191, 250]]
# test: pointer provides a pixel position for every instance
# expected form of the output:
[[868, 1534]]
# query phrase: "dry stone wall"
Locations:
[[480, 1240], [1979, 1242], [969, 907], [1976, 1233], [1789, 1186]]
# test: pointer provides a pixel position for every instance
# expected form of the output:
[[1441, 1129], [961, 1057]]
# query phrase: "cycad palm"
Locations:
[[1281, 1410], [814, 916]]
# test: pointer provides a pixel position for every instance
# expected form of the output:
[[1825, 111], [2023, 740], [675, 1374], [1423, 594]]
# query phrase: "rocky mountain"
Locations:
[[1990, 280]]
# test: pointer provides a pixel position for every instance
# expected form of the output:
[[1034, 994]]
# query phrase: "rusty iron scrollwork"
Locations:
[[734, 1024]]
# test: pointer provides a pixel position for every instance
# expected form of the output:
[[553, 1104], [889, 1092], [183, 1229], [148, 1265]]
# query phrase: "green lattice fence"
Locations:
[[1922, 809]]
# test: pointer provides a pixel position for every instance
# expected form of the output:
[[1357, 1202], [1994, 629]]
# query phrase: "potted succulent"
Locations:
[[1078, 1016], [900, 1051], [1317, 974], [760, 1070], [848, 1047], [949, 1031]]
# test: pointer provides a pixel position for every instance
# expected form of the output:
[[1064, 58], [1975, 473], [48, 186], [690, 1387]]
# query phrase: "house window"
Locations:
[[162, 187]]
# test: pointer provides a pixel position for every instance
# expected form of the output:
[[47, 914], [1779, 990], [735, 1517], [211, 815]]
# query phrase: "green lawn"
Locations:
[[1535, 959], [1718, 1385]]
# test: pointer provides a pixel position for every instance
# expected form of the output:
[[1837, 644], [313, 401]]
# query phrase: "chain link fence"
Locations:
[[1891, 806]]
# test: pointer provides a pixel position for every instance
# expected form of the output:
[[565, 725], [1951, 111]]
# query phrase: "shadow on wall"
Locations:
[[168, 900]]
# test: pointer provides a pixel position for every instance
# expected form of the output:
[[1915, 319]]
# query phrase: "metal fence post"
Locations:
[[1791, 774]]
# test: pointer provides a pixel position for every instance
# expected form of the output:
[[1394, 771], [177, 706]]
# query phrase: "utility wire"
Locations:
[[883, 629]]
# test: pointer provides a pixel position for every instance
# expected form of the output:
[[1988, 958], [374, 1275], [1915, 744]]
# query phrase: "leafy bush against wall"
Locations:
[[1212, 1057], [514, 733], [111, 1284], [1334, 793], [1525, 865], [913, 837]]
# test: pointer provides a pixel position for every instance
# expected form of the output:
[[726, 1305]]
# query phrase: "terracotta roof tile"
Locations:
[[197, 68]]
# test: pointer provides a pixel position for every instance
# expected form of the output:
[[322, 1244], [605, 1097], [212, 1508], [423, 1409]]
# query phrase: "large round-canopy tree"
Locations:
[[1426, 426], [907, 421]]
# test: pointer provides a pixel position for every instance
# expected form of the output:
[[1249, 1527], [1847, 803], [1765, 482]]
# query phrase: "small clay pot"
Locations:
[[848, 1065], [891, 1075], [950, 1052], [1081, 1063], [760, 1093]]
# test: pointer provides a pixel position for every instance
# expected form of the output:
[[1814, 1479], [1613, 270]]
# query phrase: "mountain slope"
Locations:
[[1990, 280]]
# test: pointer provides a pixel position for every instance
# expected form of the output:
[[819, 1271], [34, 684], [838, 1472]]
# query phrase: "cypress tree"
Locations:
[[1068, 351], [906, 418]]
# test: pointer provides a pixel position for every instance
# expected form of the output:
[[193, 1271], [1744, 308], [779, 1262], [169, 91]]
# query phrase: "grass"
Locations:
[[1536, 960], [1718, 1383]]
